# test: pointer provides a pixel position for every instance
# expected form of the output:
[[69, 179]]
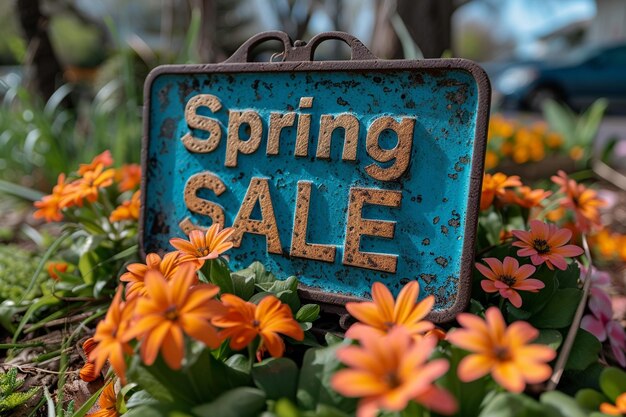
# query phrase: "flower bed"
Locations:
[[182, 334]]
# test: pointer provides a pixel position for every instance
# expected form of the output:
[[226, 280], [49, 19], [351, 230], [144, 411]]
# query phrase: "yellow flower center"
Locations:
[[171, 313], [541, 246], [508, 280]]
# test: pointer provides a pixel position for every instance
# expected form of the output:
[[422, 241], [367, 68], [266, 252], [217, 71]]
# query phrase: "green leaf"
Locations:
[[239, 402], [563, 404], [589, 122], [590, 399], [308, 312], [550, 337], [140, 398], [285, 408], [42, 302], [262, 277], [243, 286], [278, 377], [220, 275], [585, 351], [332, 339], [512, 405], [258, 297], [318, 366], [559, 311], [613, 382], [569, 277], [468, 394], [286, 291]]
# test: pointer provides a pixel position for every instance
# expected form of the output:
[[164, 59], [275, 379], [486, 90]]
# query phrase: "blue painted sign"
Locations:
[[340, 177]]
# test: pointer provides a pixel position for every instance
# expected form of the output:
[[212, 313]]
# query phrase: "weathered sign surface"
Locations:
[[342, 173]]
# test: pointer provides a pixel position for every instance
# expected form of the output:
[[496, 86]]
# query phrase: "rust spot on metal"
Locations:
[[441, 261]]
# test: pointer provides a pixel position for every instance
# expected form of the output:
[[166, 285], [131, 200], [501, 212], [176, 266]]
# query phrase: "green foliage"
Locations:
[[17, 268], [10, 396], [577, 130]]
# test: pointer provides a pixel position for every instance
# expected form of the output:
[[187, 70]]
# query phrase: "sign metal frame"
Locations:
[[298, 57]]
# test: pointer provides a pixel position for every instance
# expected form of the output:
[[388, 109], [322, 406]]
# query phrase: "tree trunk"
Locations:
[[41, 56], [430, 24]]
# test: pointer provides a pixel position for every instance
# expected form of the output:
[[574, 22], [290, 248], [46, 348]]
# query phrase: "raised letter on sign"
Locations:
[[356, 226], [258, 191], [304, 128], [299, 247], [401, 153], [328, 124], [199, 205], [234, 144], [208, 124], [278, 121]]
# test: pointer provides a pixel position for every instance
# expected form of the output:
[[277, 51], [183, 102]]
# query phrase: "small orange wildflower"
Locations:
[[107, 403], [507, 278], [494, 186], [55, 267], [128, 177], [525, 197], [201, 246], [606, 243], [384, 313], [388, 371], [110, 337], [619, 409], [173, 308], [49, 207], [546, 243], [503, 351], [128, 210], [244, 321], [105, 159], [582, 200], [87, 187], [136, 272]]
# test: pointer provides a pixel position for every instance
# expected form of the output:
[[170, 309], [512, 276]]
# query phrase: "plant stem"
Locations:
[[561, 361]]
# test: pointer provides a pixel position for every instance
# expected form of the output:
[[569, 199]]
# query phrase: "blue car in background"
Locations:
[[577, 80]]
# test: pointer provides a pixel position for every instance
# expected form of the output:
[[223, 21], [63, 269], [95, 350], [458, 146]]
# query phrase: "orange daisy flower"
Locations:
[[110, 337], [495, 186], [503, 351], [87, 187], [136, 272], [201, 246], [128, 177], [619, 409], [128, 210], [173, 308], [383, 313], [388, 371], [49, 207], [105, 159], [546, 243], [107, 403], [583, 201], [244, 321], [525, 196], [507, 278]]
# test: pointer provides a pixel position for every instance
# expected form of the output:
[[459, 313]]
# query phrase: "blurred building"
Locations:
[[609, 24]]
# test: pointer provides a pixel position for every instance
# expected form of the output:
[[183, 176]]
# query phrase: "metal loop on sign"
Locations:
[[277, 57], [359, 52], [299, 50]]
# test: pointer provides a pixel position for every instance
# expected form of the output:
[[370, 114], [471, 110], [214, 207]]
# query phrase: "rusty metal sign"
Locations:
[[342, 173]]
